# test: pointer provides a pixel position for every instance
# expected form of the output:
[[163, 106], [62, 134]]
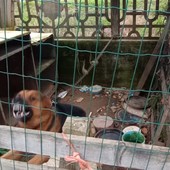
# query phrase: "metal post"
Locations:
[[115, 4]]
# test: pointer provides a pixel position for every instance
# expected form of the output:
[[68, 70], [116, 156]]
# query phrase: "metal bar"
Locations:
[[115, 4]]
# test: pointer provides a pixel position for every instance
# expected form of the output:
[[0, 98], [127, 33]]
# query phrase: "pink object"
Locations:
[[76, 156]]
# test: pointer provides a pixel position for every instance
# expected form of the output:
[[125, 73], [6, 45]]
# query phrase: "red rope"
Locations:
[[84, 165]]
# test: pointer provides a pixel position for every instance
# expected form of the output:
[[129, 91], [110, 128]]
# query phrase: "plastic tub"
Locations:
[[133, 136], [131, 128], [113, 134]]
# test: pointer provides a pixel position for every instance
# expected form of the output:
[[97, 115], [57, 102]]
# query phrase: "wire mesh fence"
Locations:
[[68, 67]]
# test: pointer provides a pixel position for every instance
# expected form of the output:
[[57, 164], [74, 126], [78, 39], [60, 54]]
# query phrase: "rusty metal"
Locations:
[[121, 18]]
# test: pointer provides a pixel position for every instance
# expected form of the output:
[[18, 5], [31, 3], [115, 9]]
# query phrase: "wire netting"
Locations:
[[109, 57]]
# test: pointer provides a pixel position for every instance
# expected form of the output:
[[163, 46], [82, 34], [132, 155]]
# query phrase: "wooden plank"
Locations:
[[36, 38], [12, 51], [11, 165], [153, 58], [168, 74], [50, 90], [152, 126], [45, 63], [11, 35], [166, 107], [94, 150]]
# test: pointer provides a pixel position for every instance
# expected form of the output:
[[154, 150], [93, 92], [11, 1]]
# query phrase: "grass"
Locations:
[[91, 20]]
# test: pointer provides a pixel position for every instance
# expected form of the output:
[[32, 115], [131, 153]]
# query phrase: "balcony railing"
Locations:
[[92, 18]]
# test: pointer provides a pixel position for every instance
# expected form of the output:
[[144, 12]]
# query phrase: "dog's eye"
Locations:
[[33, 98]]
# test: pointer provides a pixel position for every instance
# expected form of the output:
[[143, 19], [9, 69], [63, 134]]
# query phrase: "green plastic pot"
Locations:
[[133, 136]]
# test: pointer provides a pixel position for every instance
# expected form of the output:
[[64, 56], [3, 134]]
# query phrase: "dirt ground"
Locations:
[[93, 104]]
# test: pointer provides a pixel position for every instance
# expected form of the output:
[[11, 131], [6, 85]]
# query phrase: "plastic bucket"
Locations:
[[113, 134], [133, 136]]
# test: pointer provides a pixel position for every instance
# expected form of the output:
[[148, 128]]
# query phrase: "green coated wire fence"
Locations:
[[110, 58]]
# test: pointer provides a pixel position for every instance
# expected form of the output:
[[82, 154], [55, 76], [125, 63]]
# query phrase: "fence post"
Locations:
[[7, 14], [115, 4]]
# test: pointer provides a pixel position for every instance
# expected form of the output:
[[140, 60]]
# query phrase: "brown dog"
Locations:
[[34, 110]]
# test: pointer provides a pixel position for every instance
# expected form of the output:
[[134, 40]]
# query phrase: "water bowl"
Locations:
[[131, 128], [127, 117]]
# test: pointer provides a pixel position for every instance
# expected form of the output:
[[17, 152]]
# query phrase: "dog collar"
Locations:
[[53, 106], [52, 123]]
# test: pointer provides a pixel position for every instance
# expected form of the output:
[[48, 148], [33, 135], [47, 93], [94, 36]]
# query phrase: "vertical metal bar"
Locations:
[[115, 15], [9, 14], [96, 13], [134, 15]]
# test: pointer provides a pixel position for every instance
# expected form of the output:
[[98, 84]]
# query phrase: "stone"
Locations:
[[101, 122], [80, 99], [77, 126]]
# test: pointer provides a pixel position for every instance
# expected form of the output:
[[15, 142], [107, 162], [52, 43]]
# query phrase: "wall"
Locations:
[[124, 59]]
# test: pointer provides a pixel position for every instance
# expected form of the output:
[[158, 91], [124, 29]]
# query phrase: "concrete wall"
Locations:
[[123, 56]]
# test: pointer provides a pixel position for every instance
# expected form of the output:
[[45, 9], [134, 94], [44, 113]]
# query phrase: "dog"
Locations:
[[33, 110]]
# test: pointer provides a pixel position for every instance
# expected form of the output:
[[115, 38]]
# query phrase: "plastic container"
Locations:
[[96, 89], [131, 128], [113, 134], [103, 122], [127, 117], [133, 136]]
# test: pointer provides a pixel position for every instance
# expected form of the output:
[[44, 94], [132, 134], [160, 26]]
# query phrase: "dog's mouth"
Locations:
[[21, 111]]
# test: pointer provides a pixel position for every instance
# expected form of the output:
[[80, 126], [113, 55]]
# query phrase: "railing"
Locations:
[[92, 18], [111, 152]]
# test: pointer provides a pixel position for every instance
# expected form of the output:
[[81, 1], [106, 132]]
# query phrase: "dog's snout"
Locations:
[[21, 106], [18, 100], [17, 107], [15, 111]]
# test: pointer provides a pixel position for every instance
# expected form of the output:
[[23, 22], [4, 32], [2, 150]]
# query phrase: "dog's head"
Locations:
[[29, 103]]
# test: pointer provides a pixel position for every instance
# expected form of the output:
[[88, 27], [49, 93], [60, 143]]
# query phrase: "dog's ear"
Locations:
[[46, 101]]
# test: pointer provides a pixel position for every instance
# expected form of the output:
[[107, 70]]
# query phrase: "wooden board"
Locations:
[[153, 58], [9, 35], [94, 150], [166, 107], [45, 63], [36, 38], [11, 165]]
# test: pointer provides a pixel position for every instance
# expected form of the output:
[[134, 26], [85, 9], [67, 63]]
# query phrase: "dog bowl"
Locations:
[[137, 102], [131, 128], [113, 134], [127, 117]]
